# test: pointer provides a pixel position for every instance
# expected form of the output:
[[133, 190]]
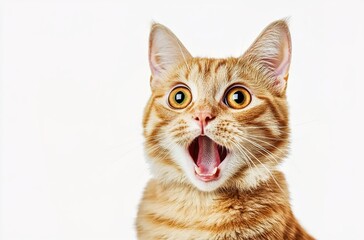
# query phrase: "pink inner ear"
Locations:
[[281, 71], [153, 65], [284, 60]]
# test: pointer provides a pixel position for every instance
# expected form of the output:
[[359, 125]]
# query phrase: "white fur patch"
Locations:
[[255, 175]]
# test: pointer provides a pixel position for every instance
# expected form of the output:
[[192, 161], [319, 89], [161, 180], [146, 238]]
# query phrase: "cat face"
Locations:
[[217, 123]]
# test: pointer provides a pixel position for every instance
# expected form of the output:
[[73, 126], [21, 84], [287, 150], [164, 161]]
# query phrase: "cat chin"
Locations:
[[207, 186]]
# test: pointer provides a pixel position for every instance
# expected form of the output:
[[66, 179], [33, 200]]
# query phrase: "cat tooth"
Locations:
[[198, 171]]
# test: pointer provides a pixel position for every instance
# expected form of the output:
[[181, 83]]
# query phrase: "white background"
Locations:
[[75, 78]]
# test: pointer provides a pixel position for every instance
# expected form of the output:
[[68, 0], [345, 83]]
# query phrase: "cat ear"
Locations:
[[165, 51], [271, 54]]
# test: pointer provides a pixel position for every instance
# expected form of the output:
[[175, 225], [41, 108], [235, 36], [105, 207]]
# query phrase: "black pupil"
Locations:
[[238, 97], [179, 97]]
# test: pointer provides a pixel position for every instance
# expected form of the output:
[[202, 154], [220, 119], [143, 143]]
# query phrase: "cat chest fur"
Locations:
[[181, 212]]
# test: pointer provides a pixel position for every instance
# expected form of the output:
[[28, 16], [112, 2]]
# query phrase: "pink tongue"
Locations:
[[208, 156]]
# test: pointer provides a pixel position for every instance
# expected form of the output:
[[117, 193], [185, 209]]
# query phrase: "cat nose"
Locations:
[[203, 118]]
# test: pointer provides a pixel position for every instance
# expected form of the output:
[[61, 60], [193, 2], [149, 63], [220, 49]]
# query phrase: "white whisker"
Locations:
[[258, 138], [270, 173]]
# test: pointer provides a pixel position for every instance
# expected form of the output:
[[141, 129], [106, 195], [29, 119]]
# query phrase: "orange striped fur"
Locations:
[[250, 199]]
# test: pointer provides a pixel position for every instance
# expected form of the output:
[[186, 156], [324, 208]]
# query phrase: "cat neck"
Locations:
[[274, 186], [179, 209]]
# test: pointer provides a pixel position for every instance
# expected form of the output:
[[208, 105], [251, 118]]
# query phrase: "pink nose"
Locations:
[[203, 118]]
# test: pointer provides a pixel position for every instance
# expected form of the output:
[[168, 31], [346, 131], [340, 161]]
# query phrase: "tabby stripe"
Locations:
[[276, 111], [219, 64], [148, 110], [257, 223]]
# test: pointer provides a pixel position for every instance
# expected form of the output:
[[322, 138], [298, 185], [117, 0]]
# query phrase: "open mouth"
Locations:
[[207, 155]]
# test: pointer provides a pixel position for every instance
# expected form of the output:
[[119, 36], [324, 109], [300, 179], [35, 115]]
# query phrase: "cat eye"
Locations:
[[180, 97], [237, 97]]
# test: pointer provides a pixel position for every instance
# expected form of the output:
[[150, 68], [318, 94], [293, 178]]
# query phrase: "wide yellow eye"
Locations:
[[237, 97], [180, 97]]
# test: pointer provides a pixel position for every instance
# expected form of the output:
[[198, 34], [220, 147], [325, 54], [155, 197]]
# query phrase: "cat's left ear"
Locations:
[[165, 52], [271, 55]]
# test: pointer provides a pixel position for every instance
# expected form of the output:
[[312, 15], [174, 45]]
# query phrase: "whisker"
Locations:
[[263, 149], [265, 126], [270, 173], [257, 138], [242, 152], [264, 137]]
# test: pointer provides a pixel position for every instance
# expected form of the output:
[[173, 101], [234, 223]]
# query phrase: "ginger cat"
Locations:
[[216, 130]]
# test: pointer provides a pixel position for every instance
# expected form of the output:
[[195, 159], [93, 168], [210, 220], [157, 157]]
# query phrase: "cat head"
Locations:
[[217, 123]]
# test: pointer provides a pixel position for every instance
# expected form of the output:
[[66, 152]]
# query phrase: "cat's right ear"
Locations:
[[165, 52]]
